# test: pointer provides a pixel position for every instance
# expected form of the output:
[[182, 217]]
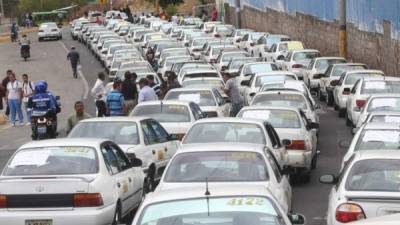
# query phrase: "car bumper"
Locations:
[[101, 216], [299, 158], [49, 35]]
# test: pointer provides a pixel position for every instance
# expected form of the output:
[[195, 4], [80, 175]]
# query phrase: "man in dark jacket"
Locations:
[[73, 57]]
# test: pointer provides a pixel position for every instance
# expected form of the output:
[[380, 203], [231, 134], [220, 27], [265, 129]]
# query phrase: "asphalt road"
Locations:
[[49, 63]]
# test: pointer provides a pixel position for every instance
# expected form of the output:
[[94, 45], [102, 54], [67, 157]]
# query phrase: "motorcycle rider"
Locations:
[[14, 32], [25, 46], [43, 103]]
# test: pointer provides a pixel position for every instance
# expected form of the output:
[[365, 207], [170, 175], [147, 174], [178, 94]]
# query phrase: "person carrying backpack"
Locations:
[[28, 89]]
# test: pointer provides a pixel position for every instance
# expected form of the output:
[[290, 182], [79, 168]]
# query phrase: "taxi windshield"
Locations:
[[260, 68], [276, 117], [281, 100], [260, 80], [164, 113], [378, 139], [225, 132], [385, 118], [232, 210], [380, 87], [202, 98], [374, 175], [122, 133], [226, 166], [338, 70], [387, 104], [57, 160]]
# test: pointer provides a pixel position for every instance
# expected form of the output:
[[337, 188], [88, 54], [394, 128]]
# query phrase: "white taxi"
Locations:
[[175, 116], [379, 102], [138, 137], [227, 164], [363, 89], [69, 181], [210, 100], [343, 86], [367, 187], [49, 31], [297, 133], [380, 116], [236, 130], [230, 205]]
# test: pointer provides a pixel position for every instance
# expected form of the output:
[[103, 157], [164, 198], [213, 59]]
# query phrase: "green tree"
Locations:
[[164, 3], [46, 5]]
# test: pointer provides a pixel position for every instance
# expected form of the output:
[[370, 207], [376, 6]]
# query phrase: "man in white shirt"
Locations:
[[28, 89], [98, 92], [146, 93], [14, 99]]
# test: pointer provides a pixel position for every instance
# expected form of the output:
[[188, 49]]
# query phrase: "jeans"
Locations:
[[235, 109], [101, 108], [28, 112], [15, 108], [74, 69]]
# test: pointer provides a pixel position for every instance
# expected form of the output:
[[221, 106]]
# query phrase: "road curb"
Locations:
[[5, 38]]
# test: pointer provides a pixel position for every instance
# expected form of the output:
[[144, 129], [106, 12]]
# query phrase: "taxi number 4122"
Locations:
[[245, 201]]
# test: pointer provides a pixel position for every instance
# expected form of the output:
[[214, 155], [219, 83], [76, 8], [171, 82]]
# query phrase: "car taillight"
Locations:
[[348, 212], [345, 92], [360, 103], [88, 200], [3, 201], [296, 66], [297, 145], [252, 44]]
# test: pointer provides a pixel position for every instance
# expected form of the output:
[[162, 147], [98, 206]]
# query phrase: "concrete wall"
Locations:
[[378, 51]]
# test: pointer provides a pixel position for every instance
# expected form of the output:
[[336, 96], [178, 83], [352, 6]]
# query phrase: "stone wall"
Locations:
[[378, 51]]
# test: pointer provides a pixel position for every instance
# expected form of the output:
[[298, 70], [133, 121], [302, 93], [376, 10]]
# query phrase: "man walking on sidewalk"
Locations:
[[73, 57], [98, 92]]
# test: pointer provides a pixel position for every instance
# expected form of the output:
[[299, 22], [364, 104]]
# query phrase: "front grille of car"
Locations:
[[211, 114], [40, 201]]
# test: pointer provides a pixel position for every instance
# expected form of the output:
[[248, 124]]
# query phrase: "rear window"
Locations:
[[228, 57], [385, 118], [378, 139], [260, 80], [260, 68], [53, 161], [202, 98], [382, 104], [281, 100], [376, 87], [300, 56], [323, 64], [340, 69], [354, 77], [217, 167], [277, 118], [164, 113]]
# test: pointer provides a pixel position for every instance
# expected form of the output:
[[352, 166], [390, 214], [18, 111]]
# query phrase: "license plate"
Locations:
[[38, 222], [42, 130]]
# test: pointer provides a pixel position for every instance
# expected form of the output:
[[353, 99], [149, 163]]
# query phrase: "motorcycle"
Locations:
[[44, 124], [14, 36], [25, 52]]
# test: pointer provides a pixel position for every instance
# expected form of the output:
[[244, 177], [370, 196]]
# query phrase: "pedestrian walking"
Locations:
[[98, 92], [14, 98], [214, 14], [172, 80], [73, 57], [146, 93], [129, 90], [4, 83], [152, 84], [232, 90], [28, 90], [77, 116], [115, 101]]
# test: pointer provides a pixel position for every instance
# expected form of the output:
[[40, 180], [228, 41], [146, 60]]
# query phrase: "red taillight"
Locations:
[[296, 66], [297, 145], [88, 200], [348, 212], [360, 103], [345, 92], [251, 44], [3, 201]]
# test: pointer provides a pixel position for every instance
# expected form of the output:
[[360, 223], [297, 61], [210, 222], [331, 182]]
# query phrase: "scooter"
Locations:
[[44, 124]]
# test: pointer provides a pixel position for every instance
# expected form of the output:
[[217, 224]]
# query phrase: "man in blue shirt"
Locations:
[[115, 101]]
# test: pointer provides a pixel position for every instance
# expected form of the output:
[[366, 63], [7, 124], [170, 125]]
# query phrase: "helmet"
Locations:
[[41, 86]]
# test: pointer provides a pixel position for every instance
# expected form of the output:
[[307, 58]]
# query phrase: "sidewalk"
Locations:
[[5, 30]]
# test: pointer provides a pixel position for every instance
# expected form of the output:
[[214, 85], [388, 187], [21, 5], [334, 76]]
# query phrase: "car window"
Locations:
[[123, 161], [378, 140], [274, 165], [274, 142], [220, 100], [202, 98], [354, 88], [352, 78], [384, 104], [110, 159], [159, 131], [276, 117], [150, 138], [163, 113], [282, 100], [224, 166]]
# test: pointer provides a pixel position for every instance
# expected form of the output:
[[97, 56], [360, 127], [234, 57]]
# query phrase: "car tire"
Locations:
[[314, 162], [341, 112], [117, 215], [329, 99], [348, 121]]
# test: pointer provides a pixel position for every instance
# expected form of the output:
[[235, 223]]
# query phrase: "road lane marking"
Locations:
[[85, 82]]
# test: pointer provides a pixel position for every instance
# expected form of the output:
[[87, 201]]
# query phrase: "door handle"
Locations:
[[166, 149], [130, 180], [154, 152], [118, 184]]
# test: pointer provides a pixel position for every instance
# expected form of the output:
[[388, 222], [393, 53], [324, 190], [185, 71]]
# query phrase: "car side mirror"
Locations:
[[286, 142], [186, 44], [334, 83], [223, 68], [136, 162], [245, 83], [296, 219], [172, 137], [312, 125], [328, 179]]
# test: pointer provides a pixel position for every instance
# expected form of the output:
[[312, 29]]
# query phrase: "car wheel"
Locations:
[[314, 162], [341, 112], [329, 99], [348, 121], [117, 215]]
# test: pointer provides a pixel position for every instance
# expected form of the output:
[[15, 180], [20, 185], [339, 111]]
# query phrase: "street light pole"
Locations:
[[238, 17], [343, 29]]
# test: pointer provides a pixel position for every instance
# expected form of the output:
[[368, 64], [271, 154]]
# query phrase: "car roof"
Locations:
[[91, 142], [202, 78], [261, 107], [215, 191], [284, 91], [191, 89], [200, 70], [224, 147], [165, 102], [277, 72], [382, 126], [388, 95], [329, 57], [364, 71], [305, 50], [230, 120], [115, 119]]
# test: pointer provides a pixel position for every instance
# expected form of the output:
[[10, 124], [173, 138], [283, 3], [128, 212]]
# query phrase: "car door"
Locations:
[[120, 173], [168, 147], [224, 107], [275, 145], [351, 101], [280, 185], [337, 88]]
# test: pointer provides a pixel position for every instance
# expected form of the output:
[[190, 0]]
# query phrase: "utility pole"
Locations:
[[2, 8], [343, 29], [238, 17]]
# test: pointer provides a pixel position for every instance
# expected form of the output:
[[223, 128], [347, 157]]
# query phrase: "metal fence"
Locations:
[[367, 15]]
